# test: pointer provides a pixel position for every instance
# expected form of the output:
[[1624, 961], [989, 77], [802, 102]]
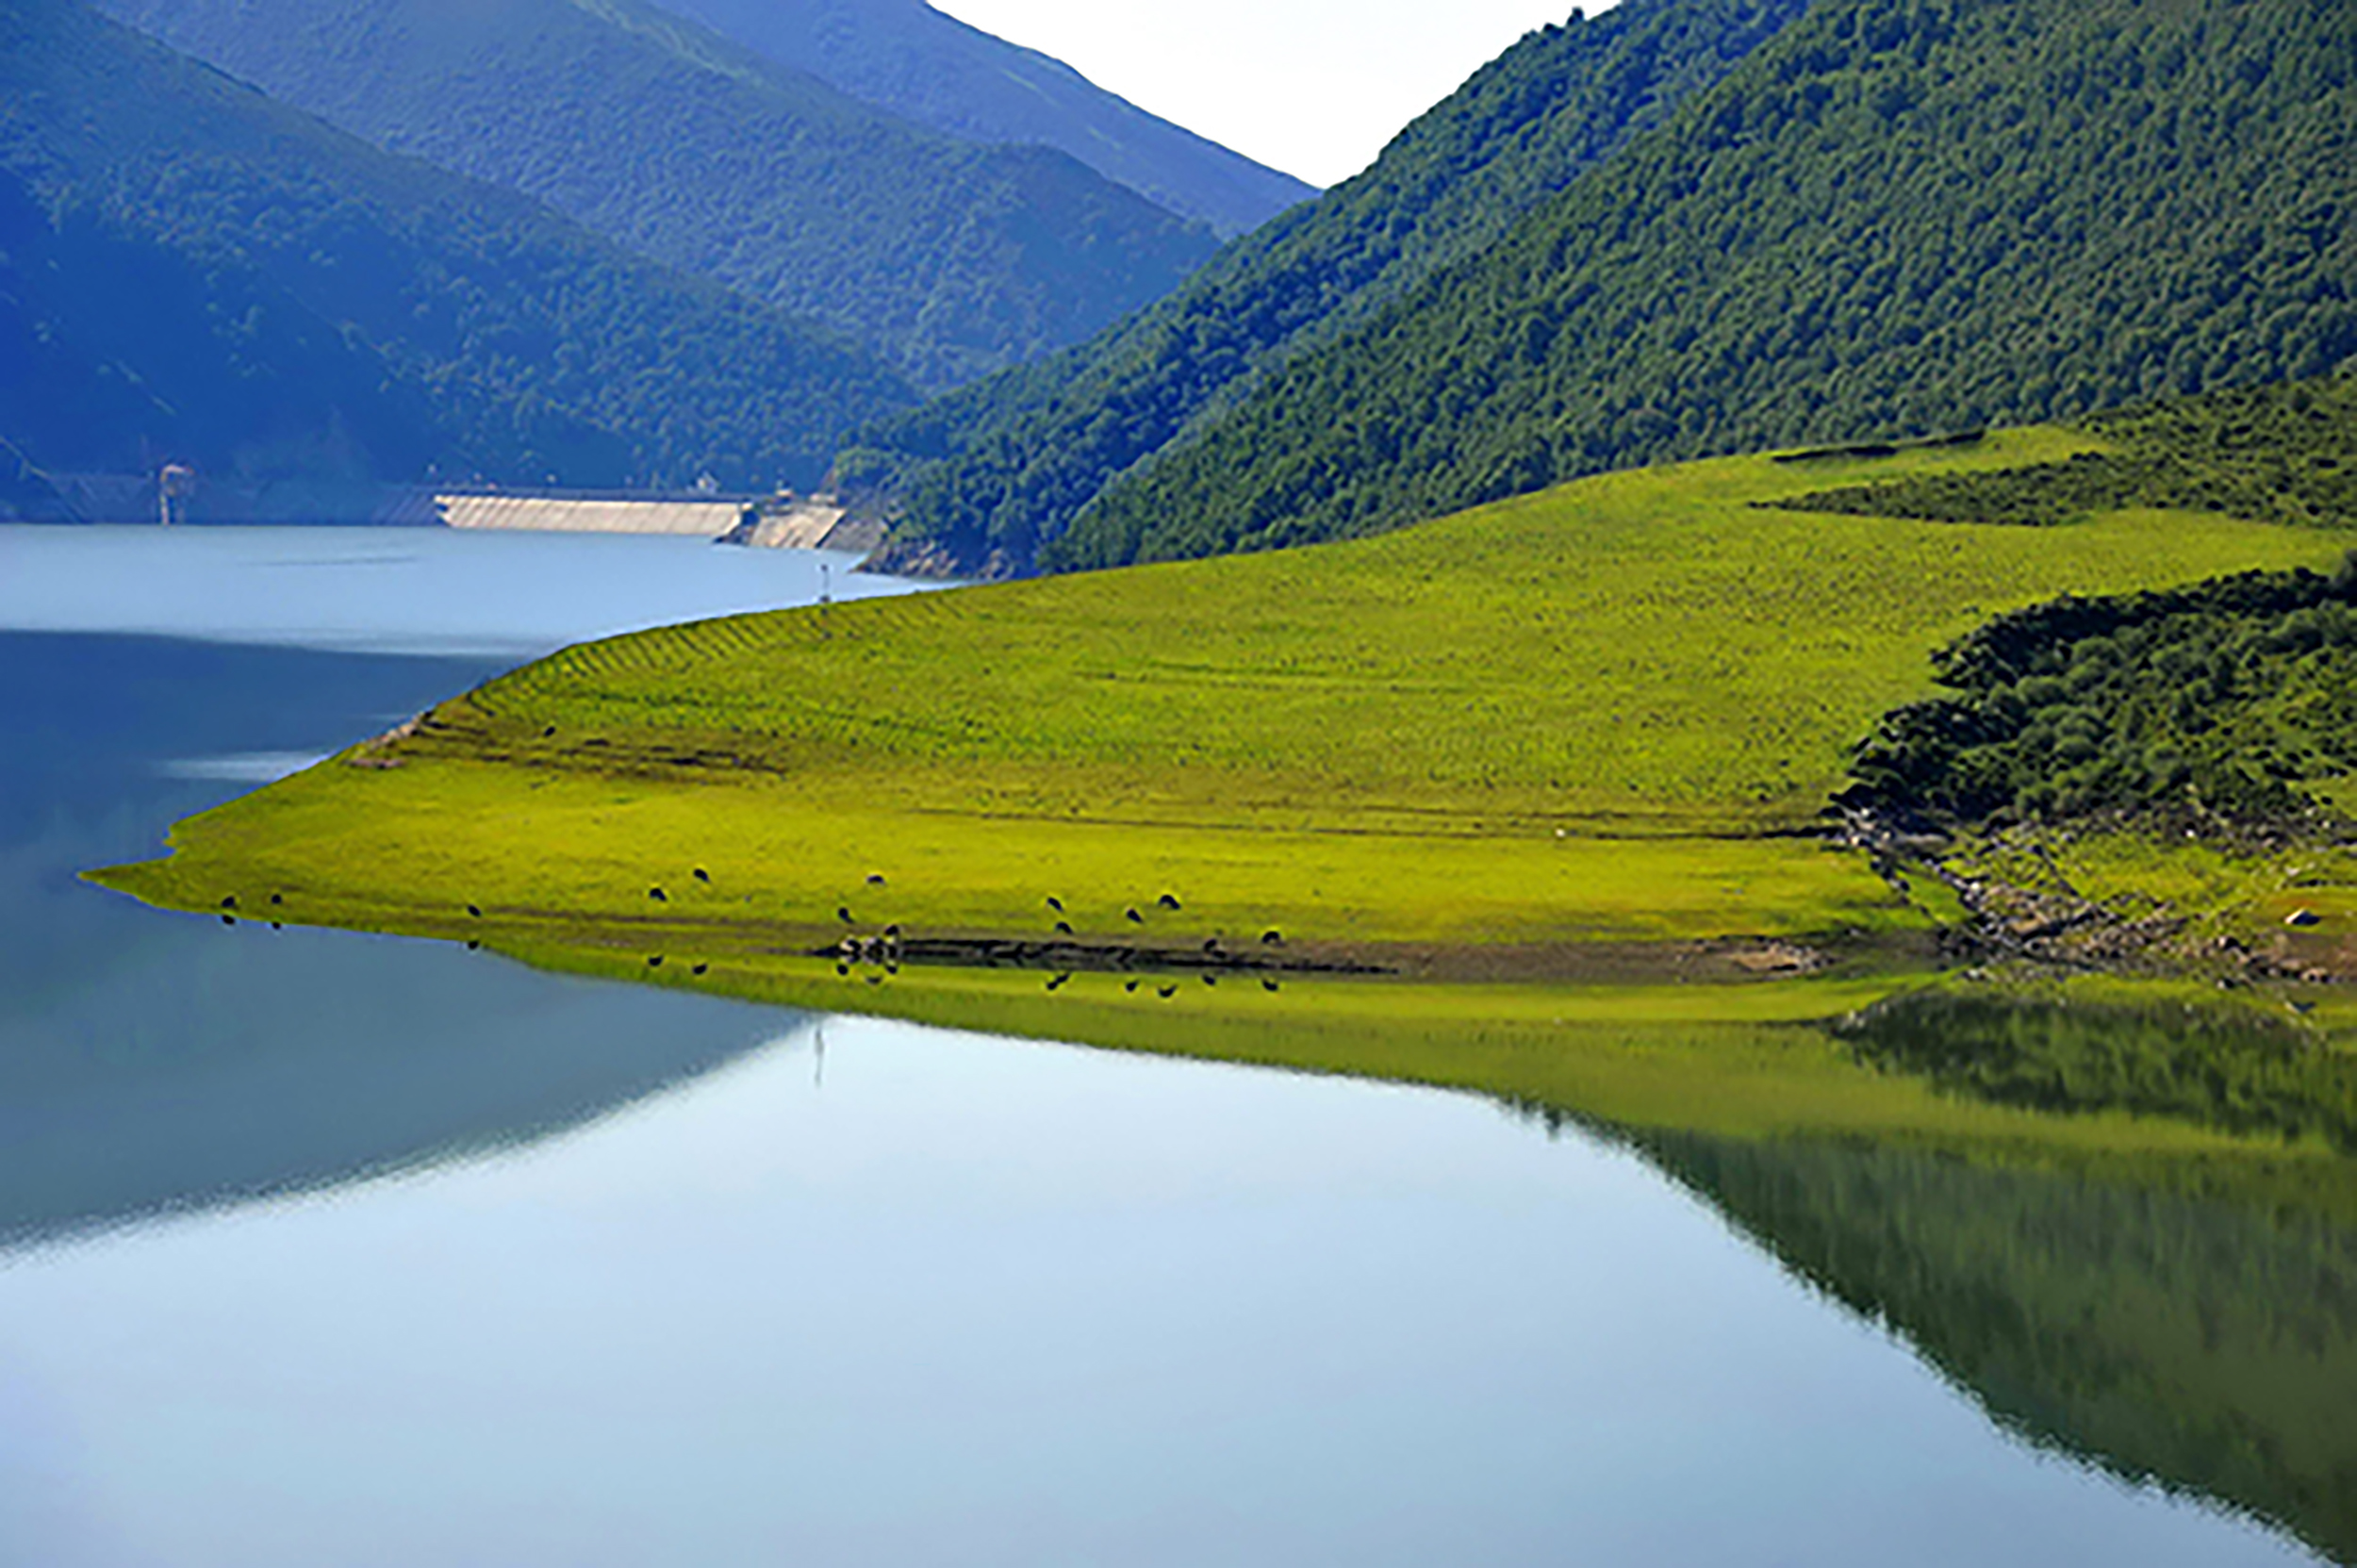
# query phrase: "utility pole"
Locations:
[[174, 485]]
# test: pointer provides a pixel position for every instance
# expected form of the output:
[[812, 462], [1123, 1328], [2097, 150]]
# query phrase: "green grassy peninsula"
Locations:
[[1589, 732]]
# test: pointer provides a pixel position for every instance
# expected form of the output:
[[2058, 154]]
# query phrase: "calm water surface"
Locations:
[[322, 1248]]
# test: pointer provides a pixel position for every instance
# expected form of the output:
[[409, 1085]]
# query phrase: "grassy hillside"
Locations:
[[1894, 215], [923, 65], [1596, 715], [989, 472], [950, 259], [191, 271]]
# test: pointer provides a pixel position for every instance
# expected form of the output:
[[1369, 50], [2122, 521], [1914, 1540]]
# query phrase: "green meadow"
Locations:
[[1608, 713]]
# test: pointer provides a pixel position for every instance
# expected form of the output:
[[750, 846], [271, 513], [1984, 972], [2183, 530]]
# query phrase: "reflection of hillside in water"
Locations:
[[2206, 1345], [152, 1063]]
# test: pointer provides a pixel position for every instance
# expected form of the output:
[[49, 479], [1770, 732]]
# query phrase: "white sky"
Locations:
[[1313, 87]]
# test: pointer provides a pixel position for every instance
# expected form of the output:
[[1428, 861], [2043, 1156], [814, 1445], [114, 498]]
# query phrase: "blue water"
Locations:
[[324, 1249]]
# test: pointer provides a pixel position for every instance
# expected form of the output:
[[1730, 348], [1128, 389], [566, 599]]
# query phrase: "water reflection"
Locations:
[[2207, 1345], [152, 1063]]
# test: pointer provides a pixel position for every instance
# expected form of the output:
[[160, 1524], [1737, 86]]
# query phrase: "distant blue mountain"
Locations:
[[937, 70], [190, 272], [949, 257]]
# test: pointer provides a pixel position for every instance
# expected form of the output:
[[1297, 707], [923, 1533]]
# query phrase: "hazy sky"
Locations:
[[1313, 87]]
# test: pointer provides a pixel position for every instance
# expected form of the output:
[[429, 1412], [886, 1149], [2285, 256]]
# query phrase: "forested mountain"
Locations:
[[951, 259], [1897, 215], [189, 271], [908, 57], [991, 469]]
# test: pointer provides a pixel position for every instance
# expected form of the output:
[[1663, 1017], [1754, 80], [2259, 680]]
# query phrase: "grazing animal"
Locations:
[[278, 897], [229, 919], [843, 914], [658, 894], [1055, 903], [1210, 980], [1131, 986], [475, 945], [2303, 1008], [229, 902], [547, 733], [1133, 916], [701, 875], [875, 878], [842, 968], [1057, 983], [1269, 938], [700, 968], [475, 910], [1167, 901], [1063, 927], [1165, 992], [875, 979], [654, 960], [1211, 944], [1267, 984]]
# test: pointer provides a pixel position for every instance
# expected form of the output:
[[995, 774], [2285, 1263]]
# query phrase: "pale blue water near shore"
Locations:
[[324, 1249]]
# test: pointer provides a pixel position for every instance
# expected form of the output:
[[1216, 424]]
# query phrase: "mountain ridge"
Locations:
[[986, 471], [934, 68]]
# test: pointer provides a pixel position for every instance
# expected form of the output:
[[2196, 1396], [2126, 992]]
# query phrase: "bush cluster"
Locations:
[[2217, 702]]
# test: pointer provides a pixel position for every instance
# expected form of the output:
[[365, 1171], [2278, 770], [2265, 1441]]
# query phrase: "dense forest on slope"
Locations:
[[2279, 453], [191, 271], [1896, 215], [951, 259], [922, 65], [989, 471]]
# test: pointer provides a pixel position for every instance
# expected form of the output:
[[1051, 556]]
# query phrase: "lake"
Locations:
[[323, 1247]]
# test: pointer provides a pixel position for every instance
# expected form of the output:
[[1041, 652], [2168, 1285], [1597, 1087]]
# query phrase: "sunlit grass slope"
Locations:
[[1597, 713]]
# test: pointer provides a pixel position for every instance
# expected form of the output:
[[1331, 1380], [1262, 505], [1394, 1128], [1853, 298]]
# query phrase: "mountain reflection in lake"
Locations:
[[332, 1248]]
